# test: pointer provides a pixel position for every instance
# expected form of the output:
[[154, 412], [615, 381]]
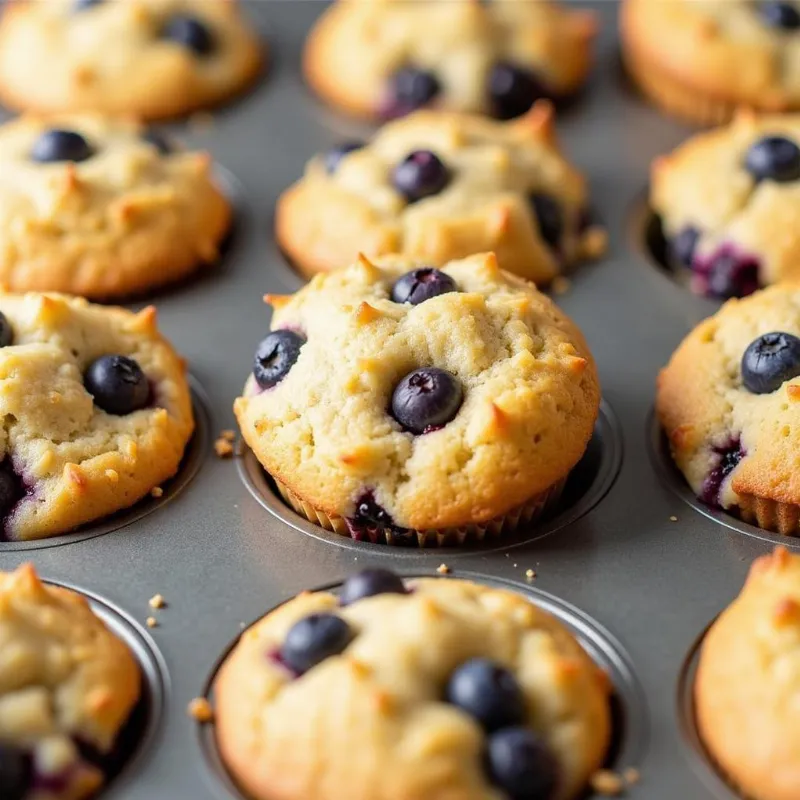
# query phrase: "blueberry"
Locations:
[[336, 154], [779, 15], [419, 285], [60, 145], [769, 361], [426, 399], [513, 90], [682, 246], [521, 764], [189, 32], [548, 214], [159, 140], [726, 459], [275, 356], [370, 582], [774, 158], [12, 490], [410, 88], [83, 5], [16, 772], [487, 692], [117, 384], [313, 639], [421, 174], [727, 273], [6, 331]]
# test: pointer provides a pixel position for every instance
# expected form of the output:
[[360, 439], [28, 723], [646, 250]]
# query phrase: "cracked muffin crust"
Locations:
[[729, 401], [388, 393], [729, 203], [703, 60], [438, 186], [148, 58], [384, 58], [384, 705], [67, 686], [748, 680], [103, 208], [96, 412]]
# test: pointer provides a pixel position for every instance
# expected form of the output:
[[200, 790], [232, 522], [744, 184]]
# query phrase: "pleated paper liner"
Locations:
[[502, 525], [675, 97], [770, 515]]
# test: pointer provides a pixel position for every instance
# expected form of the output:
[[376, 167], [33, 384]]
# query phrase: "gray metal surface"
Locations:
[[222, 559]]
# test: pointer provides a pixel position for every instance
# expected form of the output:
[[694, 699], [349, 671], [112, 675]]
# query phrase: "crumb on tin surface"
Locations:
[[631, 775], [607, 783], [157, 491], [223, 448], [200, 709], [530, 574], [673, 519], [227, 434], [443, 569], [152, 622], [157, 601]]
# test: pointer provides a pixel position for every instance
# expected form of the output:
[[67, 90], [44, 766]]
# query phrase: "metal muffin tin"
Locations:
[[638, 569]]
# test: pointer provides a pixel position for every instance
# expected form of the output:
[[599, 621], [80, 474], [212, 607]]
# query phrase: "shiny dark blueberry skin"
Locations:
[[426, 399], [520, 763], [550, 219], [6, 331], [336, 154], [159, 140], [117, 384], [189, 32], [275, 356], [60, 145], [773, 158], [16, 772], [513, 90], [410, 88], [370, 582], [313, 639], [421, 174], [487, 692], [779, 15], [726, 273], [12, 490], [372, 522], [83, 5], [419, 285], [727, 458], [769, 361], [682, 247]]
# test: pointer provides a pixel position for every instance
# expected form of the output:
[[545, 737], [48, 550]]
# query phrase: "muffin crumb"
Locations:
[[607, 783], [157, 601], [152, 622], [156, 492], [443, 569], [595, 242], [631, 775], [560, 284], [200, 709], [223, 448], [673, 519], [227, 434], [530, 574]]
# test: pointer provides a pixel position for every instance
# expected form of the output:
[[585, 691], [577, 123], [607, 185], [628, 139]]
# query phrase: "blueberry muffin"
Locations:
[[385, 58], [438, 186], [431, 689], [67, 686], [703, 60], [96, 412], [748, 681], [729, 201], [148, 58], [729, 401], [103, 208], [387, 395]]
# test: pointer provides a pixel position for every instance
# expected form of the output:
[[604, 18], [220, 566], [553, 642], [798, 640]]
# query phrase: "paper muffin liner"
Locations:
[[783, 518], [675, 97], [446, 537]]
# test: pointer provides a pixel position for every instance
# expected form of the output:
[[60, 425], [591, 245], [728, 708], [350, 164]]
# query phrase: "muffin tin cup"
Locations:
[[508, 523], [630, 723]]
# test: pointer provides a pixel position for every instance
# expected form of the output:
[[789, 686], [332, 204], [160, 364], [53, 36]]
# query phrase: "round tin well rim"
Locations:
[[192, 461], [671, 476], [607, 438], [629, 739]]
